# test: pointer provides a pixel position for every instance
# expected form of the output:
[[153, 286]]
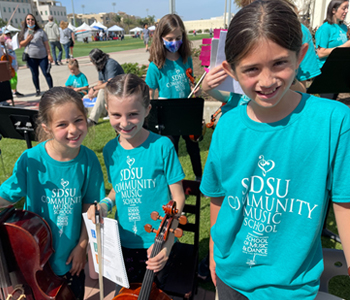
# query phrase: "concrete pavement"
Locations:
[[60, 75]]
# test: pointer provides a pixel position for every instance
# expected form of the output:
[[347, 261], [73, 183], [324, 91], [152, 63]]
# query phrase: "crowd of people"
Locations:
[[277, 157]]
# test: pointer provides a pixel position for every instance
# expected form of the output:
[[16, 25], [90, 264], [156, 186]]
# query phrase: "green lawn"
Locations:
[[129, 43], [96, 139]]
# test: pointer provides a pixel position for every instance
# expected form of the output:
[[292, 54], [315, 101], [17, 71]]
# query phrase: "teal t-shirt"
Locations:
[[56, 191], [234, 101], [171, 80], [276, 180], [330, 36], [309, 67], [140, 178], [77, 81]]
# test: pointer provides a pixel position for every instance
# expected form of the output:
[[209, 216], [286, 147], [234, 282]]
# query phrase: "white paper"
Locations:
[[15, 44], [229, 84], [112, 257]]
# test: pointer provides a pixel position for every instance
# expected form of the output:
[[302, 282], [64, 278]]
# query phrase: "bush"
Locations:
[[130, 68], [199, 31], [206, 30]]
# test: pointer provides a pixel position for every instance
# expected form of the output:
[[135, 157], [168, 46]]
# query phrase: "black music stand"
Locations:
[[6, 92], [18, 123], [176, 116], [335, 76]]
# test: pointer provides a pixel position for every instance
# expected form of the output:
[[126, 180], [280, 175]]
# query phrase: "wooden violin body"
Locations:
[[7, 57], [148, 289], [27, 246], [134, 291]]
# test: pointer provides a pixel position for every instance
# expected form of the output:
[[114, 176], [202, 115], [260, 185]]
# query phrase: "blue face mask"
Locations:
[[172, 46], [31, 26]]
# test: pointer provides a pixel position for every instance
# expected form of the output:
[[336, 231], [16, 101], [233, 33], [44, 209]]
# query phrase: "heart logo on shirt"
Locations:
[[265, 165], [130, 161], [64, 183]]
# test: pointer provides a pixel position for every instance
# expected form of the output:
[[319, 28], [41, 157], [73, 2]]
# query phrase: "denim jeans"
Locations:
[[34, 64], [53, 50], [66, 49]]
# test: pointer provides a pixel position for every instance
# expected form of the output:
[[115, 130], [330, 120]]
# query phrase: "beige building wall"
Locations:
[[217, 22]]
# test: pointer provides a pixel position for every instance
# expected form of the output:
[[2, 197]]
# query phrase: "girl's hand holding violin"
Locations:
[[78, 259], [158, 262]]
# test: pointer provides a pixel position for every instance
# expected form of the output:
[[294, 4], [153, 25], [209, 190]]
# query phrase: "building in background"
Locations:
[[41, 9]]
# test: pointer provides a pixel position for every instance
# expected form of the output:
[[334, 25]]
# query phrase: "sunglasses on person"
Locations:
[[30, 20]]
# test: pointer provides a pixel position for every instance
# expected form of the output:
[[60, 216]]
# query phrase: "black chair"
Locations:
[[182, 270]]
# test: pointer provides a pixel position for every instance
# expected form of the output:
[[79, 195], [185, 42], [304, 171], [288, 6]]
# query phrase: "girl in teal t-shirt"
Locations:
[[273, 165], [59, 179], [333, 32], [77, 80], [144, 170], [170, 58]]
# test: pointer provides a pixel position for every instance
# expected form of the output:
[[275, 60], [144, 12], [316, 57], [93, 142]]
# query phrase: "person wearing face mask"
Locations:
[[170, 57], [36, 44]]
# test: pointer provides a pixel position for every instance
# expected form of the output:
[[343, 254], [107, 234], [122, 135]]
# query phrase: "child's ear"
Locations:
[[302, 52], [226, 66], [148, 110], [46, 128]]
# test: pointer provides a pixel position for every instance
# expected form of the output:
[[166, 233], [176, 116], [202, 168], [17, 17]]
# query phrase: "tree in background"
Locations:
[[127, 21], [2, 23]]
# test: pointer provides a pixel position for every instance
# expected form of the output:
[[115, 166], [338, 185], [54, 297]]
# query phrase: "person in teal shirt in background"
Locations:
[[76, 80]]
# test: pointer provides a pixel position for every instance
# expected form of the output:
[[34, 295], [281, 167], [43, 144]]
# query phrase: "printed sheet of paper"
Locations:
[[229, 84], [15, 43], [112, 257]]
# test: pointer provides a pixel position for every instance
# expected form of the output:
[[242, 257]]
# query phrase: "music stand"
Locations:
[[335, 76], [18, 123], [176, 116]]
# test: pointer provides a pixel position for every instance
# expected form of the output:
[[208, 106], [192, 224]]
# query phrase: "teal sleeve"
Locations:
[[340, 183], [84, 80], [172, 167], [69, 81], [152, 77], [322, 36], [15, 188], [95, 186]]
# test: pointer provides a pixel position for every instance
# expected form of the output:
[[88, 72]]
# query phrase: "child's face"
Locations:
[[175, 35], [266, 72], [127, 116], [74, 70], [68, 126]]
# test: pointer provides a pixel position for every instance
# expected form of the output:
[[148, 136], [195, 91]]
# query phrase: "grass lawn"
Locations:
[[129, 43], [96, 139]]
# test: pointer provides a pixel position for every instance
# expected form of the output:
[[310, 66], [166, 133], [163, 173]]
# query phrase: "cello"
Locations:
[[26, 248], [148, 289]]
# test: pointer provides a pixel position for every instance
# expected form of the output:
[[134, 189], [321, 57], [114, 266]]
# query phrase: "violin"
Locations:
[[148, 289], [26, 242], [213, 117], [7, 57]]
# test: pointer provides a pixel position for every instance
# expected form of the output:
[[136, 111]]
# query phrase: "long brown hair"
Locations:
[[166, 25], [51, 99], [334, 4]]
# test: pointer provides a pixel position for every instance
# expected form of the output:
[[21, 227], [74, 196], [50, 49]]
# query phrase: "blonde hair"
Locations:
[[73, 63], [63, 24]]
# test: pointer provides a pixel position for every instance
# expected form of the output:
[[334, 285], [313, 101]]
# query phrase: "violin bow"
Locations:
[[8, 22], [197, 85], [99, 251]]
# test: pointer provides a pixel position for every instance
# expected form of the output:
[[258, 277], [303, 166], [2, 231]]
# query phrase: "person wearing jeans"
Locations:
[[53, 35], [65, 34], [36, 44]]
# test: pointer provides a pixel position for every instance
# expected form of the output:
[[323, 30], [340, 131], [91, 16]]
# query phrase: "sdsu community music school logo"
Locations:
[[263, 201]]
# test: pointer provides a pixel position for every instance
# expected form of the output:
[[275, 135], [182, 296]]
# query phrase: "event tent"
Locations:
[[135, 29], [152, 28], [115, 28], [11, 28], [71, 27], [98, 26], [83, 28]]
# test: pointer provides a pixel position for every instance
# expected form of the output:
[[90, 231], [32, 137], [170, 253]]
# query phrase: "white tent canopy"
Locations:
[[152, 28], [135, 29], [115, 28], [11, 28], [71, 27], [83, 28], [98, 25]]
